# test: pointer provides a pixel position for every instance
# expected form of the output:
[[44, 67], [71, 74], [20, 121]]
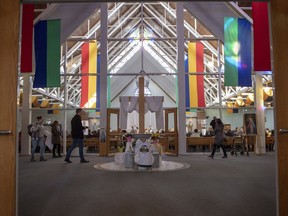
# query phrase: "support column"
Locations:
[[26, 115], [64, 129], [141, 102], [103, 65], [260, 145], [103, 75], [181, 79]]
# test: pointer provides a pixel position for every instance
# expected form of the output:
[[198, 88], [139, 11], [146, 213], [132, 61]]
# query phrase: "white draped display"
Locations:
[[155, 104], [48, 141], [152, 103]]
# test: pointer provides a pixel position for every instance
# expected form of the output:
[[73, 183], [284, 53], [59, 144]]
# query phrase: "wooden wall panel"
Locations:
[[279, 20], [9, 23]]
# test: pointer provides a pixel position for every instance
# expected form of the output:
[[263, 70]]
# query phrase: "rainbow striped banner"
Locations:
[[195, 83], [90, 93], [47, 54], [237, 52]]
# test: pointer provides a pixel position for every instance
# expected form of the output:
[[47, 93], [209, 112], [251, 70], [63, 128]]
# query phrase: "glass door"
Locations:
[[171, 131], [114, 136]]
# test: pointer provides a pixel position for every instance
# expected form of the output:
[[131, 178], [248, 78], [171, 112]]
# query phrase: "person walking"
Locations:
[[77, 136], [213, 122], [219, 138], [56, 135], [38, 138]]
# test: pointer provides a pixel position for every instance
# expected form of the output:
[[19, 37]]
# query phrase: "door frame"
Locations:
[[278, 8], [112, 134], [9, 36], [171, 136]]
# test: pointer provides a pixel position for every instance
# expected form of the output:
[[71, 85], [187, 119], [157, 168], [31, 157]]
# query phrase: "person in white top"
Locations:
[[38, 138], [195, 133]]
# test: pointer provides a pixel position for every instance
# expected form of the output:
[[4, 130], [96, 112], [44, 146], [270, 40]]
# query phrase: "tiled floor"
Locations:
[[164, 166]]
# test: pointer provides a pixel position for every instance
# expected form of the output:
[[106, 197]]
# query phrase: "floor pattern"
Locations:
[[165, 166]]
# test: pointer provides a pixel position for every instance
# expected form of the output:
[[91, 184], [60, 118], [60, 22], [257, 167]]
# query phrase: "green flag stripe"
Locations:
[[53, 53], [231, 51]]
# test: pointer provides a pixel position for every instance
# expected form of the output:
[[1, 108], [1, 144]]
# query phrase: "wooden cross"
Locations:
[[141, 106]]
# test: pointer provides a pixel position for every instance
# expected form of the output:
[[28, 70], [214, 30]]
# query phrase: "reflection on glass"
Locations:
[[171, 123], [113, 122], [171, 143]]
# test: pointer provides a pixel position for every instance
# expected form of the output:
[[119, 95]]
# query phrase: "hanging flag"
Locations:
[[27, 38], [97, 103], [89, 82], [98, 85], [47, 54], [195, 83], [262, 61], [237, 52]]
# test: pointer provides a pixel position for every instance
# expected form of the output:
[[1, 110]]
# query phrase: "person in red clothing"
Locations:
[[77, 136]]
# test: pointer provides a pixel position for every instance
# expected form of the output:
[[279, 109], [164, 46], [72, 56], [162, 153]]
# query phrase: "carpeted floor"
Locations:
[[237, 186]]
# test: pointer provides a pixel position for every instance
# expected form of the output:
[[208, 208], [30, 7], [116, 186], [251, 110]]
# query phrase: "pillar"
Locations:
[[26, 115], [181, 79], [103, 75], [260, 145]]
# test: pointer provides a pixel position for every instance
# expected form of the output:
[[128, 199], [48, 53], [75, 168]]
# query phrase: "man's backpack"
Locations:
[[29, 128]]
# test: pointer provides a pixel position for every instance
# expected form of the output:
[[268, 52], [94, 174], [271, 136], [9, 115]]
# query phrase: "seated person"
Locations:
[[209, 132], [144, 157], [229, 133], [195, 133], [240, 131]]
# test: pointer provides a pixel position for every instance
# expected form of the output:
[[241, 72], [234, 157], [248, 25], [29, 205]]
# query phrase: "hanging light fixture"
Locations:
[[240, 101], [268, 91], [249, 99], [229, 104]]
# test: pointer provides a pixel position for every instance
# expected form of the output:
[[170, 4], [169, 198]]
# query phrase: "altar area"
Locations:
[[144, 154]]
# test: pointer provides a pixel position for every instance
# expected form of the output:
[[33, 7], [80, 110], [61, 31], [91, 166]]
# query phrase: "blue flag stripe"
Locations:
[[244, 67], [40, 43]]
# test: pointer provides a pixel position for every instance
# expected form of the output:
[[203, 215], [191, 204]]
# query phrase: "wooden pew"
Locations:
[[198, 141], [88, 142]]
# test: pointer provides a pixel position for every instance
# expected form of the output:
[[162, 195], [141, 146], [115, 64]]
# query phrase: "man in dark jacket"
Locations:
[[77, 136]]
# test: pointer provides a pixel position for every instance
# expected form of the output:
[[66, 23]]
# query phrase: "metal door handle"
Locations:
[[5, 132], [283, 131]]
